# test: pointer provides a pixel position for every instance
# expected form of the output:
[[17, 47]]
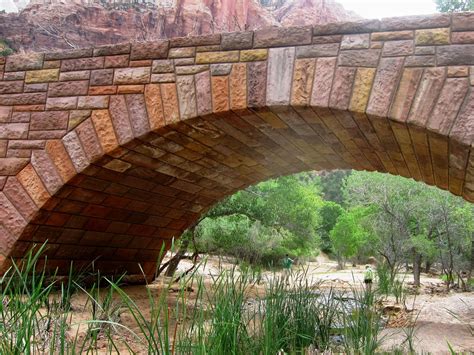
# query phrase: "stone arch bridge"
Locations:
[[110, 152]]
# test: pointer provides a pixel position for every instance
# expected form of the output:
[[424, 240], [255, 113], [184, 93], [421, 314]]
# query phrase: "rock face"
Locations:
[[42, 27], [312, 12]]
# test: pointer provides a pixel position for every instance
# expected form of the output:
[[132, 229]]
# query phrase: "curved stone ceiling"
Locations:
[[108, 153]]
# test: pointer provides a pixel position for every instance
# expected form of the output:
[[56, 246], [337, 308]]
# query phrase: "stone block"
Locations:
[[317, 50], [68, 88], [463, 21], [360, 58], [163, 78], [149, 50], [356, 41], [191, 69], [61, 103], [458, 72], [42, 76], [220, 69], [130, 89], [415, 22], [40, 87], [252, 55], [18, 75], [101, 77], [69, 54], [392, 35], [183, 61], [420, 61], [217, 57], [398, 48], [82, 64], [92, 102], [342, 88], [433, 36], [22, 99], [361, 26], [203, 93], [31, 61], [116, 61], [462, 37], [456, 54], [50, 120], [162, 66], [137, 112], [14, 131], [279, 75], [185, 52], [186, 96], [280, 36], [132, 76], [11, 87], [327, 39], [237, 40], [114, 49], [323, 79], [75, 75], [205, 40]]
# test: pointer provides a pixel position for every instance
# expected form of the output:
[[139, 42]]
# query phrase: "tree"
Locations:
[[348, 235], [454, 5], [330, 212]]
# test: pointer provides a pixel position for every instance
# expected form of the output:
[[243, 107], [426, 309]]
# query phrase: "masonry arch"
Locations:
[[112, 151]]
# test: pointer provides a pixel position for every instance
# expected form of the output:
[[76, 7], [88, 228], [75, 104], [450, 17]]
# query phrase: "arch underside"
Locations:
[[122, 208]]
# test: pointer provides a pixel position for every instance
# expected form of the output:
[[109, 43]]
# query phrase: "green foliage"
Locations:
[[348, 235], [264, 222], [5, 49], [330, 212], [332, 185], [454, 5]]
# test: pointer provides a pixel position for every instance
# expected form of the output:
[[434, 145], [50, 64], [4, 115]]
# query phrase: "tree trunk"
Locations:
[[416, 268], [471, 269], [174, 262], [427, 267]]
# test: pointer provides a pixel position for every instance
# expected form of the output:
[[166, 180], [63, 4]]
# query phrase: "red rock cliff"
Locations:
[[61, 26]]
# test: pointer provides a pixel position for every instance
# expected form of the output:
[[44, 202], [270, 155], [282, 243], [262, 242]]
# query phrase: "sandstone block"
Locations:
[[461, 130], [342, 88], [462, 37], [186, 96], [398, 48], [92, 102], [75, 75], [101, 77], [217, 57], [119, 114], [61, 160], [50, 120], [68, 88], [19, 75], [183, 61], [279, 75], [361, 91], [280, 36], [420, 61], [46, 170], [327, 39], [132, 76], [205, 40], [317, 50], [425, 50], [463, 21], [302, 81], [456, 54], [458, 72], [14, 131], [237, 40], [154, 106], [170, 102], [29, 61], [19, 198], [323, 79], [220, 69], [191, 69], [113, 49], [11, 166], [75, 151], [61, 103], [22, 99], [40, 87], [102, 90], [384, 86], [31, 182], [238, 87], [137, 113], [185, 52], [203, 93], [116, 61], [434, 36], [69, 54], [163, 78], [89, 140], [360, 58], [149, 50], [162, 66], [252, 55], [392, 35], [355, 41], [52, 64], [130, 89], [361, 26], [415, 22], [82, 64], [11, 87], [220, 93], [42, 76]]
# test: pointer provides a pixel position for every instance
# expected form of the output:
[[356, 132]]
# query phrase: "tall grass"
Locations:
[[229, 314]]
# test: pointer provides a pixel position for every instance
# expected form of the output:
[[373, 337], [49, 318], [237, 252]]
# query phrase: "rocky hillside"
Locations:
[[41, 27]]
